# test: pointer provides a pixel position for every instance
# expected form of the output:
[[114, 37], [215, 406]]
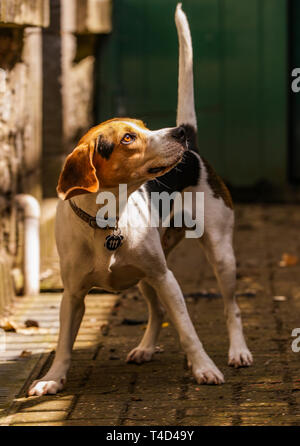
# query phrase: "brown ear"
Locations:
[[78, 175]]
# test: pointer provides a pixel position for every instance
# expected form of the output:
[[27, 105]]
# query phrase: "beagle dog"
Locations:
[[125, 151]]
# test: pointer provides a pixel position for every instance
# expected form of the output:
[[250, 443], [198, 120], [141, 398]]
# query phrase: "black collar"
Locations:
[[91, 221]]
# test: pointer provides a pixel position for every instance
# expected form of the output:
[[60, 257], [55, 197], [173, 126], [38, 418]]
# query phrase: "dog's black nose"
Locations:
[[179, 134]]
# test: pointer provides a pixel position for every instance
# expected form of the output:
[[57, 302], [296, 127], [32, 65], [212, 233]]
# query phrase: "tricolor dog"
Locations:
[[125, 151]]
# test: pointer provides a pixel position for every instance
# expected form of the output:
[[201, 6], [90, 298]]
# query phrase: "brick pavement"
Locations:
[[103, 390]]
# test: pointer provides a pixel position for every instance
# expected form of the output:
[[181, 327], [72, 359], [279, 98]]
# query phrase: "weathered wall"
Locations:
[[68, 96], [68, 72], [20, 121], [24, 12]]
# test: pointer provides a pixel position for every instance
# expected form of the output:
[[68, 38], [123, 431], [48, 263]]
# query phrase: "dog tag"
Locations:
[[113, 242]]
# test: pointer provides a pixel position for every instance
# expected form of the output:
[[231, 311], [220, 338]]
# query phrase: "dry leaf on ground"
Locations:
[[279, 298], [31, 323], [288, 260], [25, 354], [8, 325]]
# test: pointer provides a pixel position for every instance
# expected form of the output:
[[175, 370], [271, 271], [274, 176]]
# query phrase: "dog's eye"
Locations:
[[127, 138]]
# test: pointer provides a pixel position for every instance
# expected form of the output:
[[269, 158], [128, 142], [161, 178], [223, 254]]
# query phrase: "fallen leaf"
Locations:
[[288, 260], [165, 324], [279, 298], [25, 354], [7, 325], [31, 323]]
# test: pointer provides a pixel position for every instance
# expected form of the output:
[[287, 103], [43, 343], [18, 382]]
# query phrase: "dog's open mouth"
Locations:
[[159, 169]]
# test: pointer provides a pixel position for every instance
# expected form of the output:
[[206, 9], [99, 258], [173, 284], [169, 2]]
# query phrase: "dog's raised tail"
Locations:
[[186, 106]]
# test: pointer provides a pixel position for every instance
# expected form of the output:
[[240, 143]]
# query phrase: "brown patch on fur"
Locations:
[[217, 185], [95, 131], [124, 162]]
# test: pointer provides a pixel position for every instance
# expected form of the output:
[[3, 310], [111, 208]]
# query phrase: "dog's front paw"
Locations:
[[46, 386], [239, 357], [207, 373], [140, 355]]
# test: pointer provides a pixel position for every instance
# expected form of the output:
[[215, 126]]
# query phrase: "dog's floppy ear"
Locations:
[[78, 175]]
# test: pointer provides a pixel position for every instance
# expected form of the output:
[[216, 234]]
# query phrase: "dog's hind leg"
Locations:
[[219, 251], [146, 348]]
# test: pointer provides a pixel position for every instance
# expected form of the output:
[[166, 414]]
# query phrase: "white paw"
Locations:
[[239, 357], [45, 387], [140, 355], [207, 373]]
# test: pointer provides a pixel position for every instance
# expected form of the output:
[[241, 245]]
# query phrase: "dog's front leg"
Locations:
[[169, 292], [71, 314]]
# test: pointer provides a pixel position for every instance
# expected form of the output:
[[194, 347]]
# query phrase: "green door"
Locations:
[[240, 78], [294, 32]]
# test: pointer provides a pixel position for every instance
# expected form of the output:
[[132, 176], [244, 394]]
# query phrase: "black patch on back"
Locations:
[[217, 185], [103, 147]]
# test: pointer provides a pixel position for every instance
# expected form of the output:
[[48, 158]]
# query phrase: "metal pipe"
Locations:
[[31, 260]]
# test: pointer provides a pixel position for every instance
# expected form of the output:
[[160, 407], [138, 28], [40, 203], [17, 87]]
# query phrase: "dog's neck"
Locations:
[[88, 202]]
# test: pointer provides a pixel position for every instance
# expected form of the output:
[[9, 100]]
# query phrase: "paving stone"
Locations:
[[92, 406], [57, 403], [37, 417]]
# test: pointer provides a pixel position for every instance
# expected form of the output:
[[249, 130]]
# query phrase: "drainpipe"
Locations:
[[31, 262]]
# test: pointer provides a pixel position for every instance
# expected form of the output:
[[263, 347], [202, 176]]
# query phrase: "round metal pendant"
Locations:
[[113, 242]]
